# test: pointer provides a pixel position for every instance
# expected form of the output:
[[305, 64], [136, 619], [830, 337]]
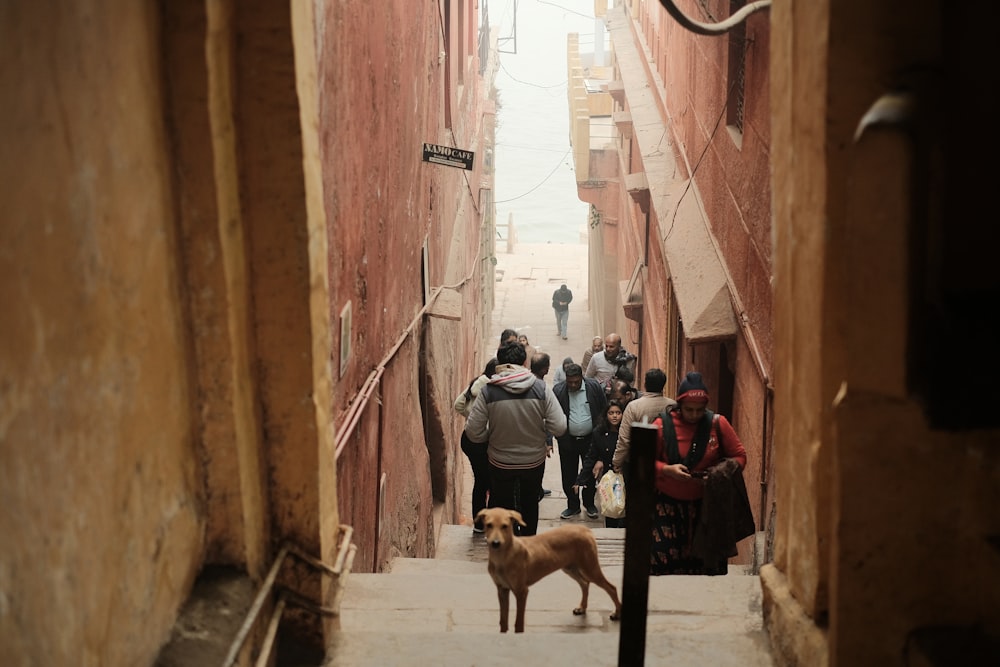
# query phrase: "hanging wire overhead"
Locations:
[[714, 29]]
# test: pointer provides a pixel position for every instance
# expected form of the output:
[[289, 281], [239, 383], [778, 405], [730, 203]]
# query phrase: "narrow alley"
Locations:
[[444, 611]]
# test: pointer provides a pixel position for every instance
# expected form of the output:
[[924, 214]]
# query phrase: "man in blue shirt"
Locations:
[[583, 401]]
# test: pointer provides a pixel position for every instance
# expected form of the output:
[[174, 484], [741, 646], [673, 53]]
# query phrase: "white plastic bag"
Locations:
[[611, 491]]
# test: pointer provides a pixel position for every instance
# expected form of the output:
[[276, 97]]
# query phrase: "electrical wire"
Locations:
[[565, 9], [527, 83], [504, 201]]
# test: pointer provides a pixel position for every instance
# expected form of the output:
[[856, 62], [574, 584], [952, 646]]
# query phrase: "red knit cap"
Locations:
[[692, 389]]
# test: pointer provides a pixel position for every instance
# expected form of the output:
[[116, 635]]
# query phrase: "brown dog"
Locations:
[[518, 562]]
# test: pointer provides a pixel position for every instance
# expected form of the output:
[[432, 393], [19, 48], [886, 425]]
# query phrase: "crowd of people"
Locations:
[[515, 421]]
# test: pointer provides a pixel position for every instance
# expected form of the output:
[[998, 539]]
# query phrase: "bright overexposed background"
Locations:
[[533, 163]]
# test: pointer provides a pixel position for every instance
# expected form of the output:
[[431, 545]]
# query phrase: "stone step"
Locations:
[[390, 648], [444, 611], [417, 585], [460, 543]]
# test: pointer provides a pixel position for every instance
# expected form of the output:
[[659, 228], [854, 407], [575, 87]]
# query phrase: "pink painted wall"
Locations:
[[731, 173], [384, 91]]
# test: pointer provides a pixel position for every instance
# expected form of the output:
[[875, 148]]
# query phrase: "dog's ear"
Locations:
[[516, 516], [480, 515]]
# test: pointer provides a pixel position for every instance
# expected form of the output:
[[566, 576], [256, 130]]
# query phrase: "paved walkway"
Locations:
[[526, 280]]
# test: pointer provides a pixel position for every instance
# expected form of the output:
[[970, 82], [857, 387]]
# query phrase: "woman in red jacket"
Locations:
[[690, 440]]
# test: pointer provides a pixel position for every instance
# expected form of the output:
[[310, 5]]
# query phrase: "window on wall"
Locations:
[[736, 79]]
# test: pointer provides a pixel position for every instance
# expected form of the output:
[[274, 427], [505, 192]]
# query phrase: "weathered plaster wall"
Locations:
[[377, 200], [201, 197], [101, 497], [383, 94], [872, 531], [733, 179], [166, 350], [604, 193]]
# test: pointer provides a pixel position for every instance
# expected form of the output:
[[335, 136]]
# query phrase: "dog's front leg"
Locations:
[[503, 594], [522, 601]]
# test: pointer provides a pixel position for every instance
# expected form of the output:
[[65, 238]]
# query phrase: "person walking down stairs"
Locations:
[[561, 299]]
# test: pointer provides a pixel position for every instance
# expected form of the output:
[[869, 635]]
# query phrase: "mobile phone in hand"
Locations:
[[698, 473]]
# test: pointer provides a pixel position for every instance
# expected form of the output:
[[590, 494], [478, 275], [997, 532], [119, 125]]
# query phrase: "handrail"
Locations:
[[345, 559], [258, 603], [368, 388], [272, 631]]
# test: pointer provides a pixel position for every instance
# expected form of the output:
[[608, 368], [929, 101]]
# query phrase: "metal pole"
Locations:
[[265, 588], [638, 541], [272, 631]]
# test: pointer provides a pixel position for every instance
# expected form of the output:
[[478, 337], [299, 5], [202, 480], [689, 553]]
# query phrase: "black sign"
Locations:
[[446, 155]]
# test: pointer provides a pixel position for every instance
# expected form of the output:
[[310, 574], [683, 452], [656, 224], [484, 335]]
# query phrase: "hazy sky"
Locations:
[[534, 177]]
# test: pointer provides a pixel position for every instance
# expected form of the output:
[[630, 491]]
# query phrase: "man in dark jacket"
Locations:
[[583, 402], [560, 304]]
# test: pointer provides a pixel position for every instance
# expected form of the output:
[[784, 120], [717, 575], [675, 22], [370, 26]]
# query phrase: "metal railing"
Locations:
[[341, 567]]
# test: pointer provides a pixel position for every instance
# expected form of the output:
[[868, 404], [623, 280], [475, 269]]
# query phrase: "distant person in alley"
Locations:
[[560, 304], [529, 349], [602, 366], [507, 336], [596, 345], [513, 414], [560, 373]]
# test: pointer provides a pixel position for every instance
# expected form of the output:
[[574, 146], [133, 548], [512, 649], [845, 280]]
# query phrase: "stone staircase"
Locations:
[[444, 611]]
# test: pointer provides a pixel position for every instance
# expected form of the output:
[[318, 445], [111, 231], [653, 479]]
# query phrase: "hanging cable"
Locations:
[[714, 29], [526, 83], [504, 201]]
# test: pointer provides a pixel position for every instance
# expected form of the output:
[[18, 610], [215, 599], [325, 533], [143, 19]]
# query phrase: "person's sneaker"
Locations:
[[567, 513], [476, 530], [591, 513]]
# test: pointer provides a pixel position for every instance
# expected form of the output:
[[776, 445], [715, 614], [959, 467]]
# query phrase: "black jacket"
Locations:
[[562, 295], [602, 448], [726, 517], [596, 398]]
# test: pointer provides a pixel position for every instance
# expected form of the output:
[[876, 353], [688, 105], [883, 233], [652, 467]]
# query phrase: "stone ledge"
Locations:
[[795, 638]]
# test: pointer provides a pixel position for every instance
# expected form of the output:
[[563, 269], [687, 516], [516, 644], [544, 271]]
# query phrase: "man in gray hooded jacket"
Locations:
[[513, 413]]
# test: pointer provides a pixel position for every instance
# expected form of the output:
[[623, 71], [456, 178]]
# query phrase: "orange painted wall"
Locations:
[[101, 498]]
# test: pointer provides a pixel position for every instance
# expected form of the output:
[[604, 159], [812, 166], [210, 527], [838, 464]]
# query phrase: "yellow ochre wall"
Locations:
[[101, 507]]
